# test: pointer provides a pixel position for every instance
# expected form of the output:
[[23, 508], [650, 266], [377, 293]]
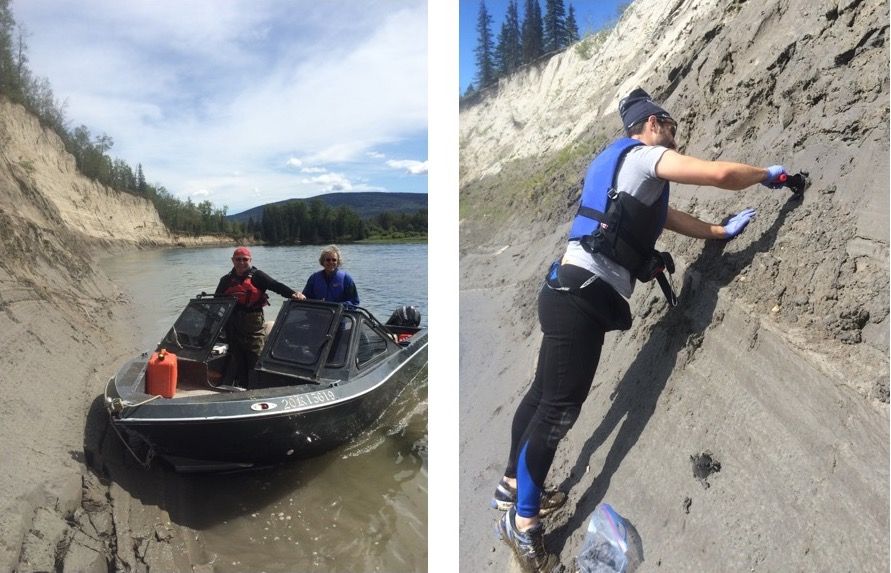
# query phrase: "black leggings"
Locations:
[[573, 329]]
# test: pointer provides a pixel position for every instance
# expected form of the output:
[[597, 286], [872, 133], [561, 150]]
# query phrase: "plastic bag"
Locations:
[[611, 544]]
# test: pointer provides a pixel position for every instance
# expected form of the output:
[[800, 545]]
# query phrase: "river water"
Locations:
[[362, 507]]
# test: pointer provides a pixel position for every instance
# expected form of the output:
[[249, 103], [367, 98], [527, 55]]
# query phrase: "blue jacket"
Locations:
[[339, 288]]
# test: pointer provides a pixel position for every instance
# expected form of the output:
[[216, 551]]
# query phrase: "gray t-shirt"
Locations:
[[637, 177]]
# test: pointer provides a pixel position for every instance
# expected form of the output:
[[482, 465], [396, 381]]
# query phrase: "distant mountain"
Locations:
[[366, 204]]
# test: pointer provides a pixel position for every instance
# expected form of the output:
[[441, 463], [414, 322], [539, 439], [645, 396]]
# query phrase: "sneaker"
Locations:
[[506, 497], [527, 545]]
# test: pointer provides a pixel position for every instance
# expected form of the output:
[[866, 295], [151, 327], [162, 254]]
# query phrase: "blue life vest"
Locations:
[[331, 291], [615, 224]]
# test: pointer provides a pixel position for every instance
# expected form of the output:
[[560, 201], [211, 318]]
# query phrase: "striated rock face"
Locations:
[[775, 360]]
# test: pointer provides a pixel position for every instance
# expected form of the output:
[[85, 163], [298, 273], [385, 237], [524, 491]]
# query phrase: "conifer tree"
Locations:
[[554, 26], [10, 83], [532, 34], [509, 52], [485, 53], [572, 28], [140, 180]]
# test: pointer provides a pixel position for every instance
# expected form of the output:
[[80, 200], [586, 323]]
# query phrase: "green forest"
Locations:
[[522, 41], [313, 224]]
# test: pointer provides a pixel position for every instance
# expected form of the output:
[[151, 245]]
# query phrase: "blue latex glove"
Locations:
[[737, 223], [776, 175]]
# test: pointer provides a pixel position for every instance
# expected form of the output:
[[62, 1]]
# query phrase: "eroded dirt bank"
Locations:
[[775, 362], [62, 329]]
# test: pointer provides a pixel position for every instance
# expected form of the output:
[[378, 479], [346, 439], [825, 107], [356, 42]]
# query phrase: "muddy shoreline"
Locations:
[[705, 381], [73, 510]]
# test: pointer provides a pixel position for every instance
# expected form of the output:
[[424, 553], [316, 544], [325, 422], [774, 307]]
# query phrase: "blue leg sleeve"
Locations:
[[528, 492]]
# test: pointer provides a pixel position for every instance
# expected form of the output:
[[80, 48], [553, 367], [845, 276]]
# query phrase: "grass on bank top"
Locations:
[[534, 185]]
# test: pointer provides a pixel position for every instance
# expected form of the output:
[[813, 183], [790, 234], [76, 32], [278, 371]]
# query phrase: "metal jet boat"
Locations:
[[325, 374]]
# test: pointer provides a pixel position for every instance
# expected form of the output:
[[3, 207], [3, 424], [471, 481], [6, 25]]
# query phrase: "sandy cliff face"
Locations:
[[60, 337], [775, 360], [40, 184], [549, 105], [805, 83]]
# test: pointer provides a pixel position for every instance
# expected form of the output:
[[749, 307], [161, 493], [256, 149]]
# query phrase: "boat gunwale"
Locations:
[[272, 412]]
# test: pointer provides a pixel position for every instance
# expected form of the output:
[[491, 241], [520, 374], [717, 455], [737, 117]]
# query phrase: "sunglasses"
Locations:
[[327, 260], [672, 125], [241, 259]]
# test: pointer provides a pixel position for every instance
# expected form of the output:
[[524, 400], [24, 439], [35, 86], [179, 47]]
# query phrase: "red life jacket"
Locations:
[[246, 292]]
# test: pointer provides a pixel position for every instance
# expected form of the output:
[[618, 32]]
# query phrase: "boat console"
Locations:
[[310, 342]]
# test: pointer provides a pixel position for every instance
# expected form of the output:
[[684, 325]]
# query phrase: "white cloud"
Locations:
[[313, 170], [338, 152], [198, 90], [201, 193], [410, 165], [331, 182]]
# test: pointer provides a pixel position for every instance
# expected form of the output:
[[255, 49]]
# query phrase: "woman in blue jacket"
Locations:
[[332, 283]]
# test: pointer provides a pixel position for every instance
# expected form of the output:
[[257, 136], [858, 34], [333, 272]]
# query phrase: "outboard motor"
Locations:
[[405, 316]]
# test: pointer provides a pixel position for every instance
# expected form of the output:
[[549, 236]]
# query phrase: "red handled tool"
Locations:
[[797, 183]]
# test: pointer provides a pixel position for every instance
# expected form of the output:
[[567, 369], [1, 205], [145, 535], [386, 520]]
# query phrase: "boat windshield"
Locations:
[[198, 325], [302, 336], [340, 347]]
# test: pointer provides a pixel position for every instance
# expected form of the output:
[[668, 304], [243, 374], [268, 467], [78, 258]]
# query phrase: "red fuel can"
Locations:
[[160, 376]]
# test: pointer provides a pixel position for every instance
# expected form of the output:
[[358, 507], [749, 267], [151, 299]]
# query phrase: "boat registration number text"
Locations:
[[308, 399]]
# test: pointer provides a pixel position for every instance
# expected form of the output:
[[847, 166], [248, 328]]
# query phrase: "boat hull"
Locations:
[[265, 426]]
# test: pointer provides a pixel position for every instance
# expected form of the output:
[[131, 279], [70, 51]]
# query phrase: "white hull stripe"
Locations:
[[275, 412]]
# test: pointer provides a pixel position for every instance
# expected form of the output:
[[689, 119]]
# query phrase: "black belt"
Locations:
[[576, 279]]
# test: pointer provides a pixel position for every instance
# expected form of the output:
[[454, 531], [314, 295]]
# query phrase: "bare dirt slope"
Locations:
[[61, 335], [775, 362]]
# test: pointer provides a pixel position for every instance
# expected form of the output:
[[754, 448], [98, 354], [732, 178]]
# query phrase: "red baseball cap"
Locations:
[[242, 252]]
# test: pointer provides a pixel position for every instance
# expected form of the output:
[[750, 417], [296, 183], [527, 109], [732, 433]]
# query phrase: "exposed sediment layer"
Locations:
[[775, 362], [61, 337]]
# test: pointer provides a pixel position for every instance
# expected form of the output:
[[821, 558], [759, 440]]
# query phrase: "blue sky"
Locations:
[[591, 16], [244, 102]]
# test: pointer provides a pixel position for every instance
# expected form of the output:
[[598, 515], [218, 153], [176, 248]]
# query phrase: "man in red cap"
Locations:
[[245, 333]]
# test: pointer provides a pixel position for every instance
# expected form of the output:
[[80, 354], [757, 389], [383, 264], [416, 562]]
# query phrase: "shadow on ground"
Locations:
[[637, 393]]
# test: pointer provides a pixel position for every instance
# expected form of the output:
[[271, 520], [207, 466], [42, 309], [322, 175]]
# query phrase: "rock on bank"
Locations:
[[57, 331]]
